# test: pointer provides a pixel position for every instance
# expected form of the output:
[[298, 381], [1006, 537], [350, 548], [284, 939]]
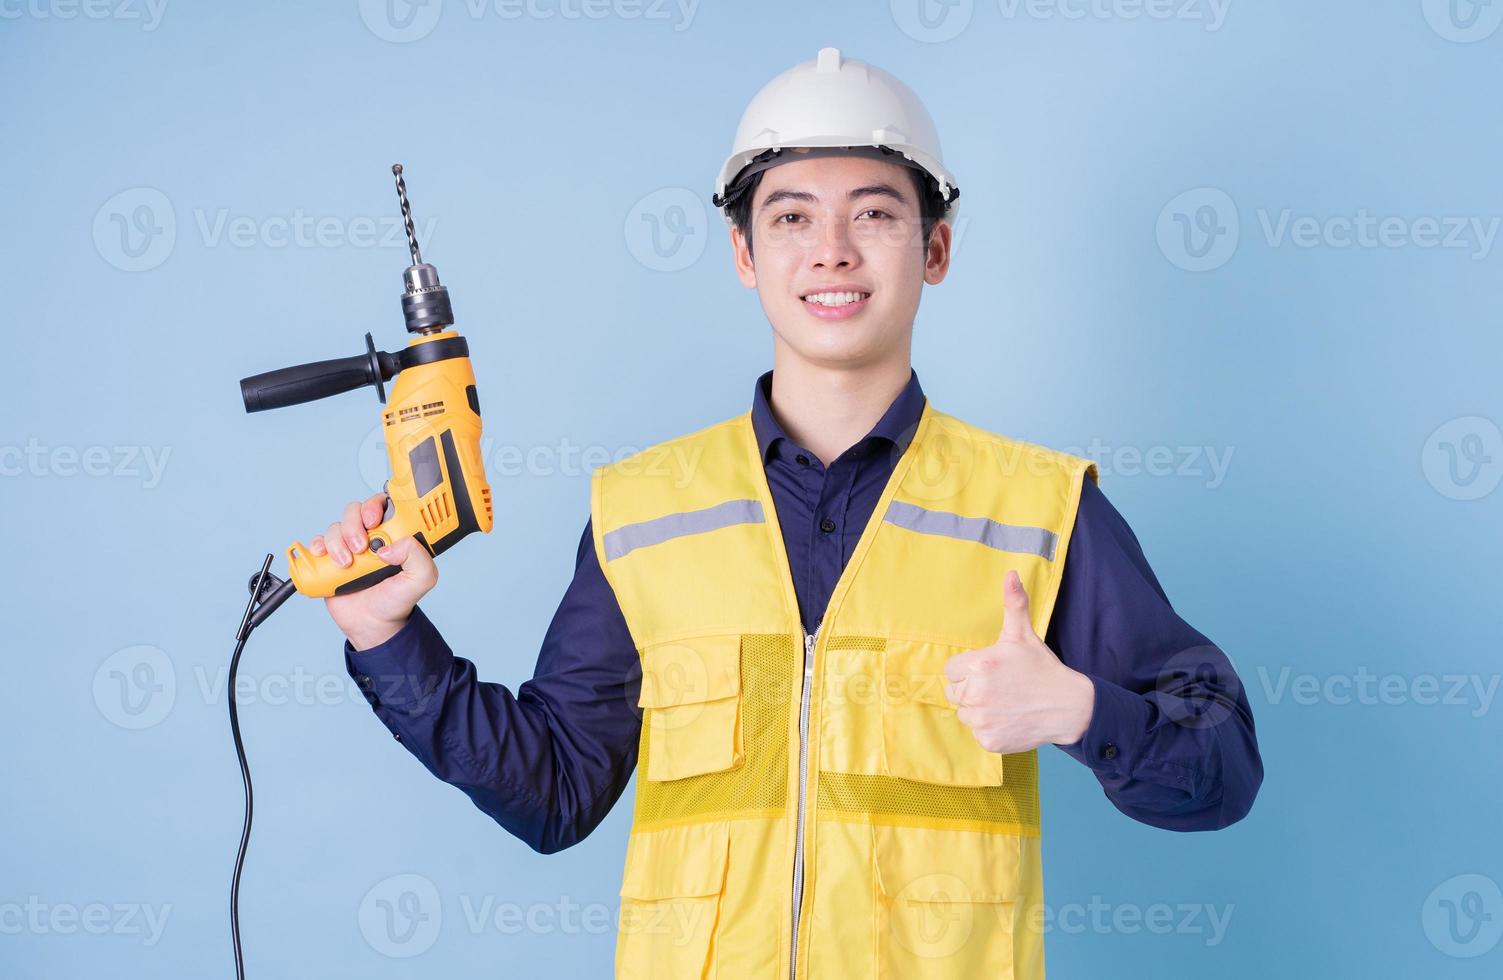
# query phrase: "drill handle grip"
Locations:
[[320, 379]]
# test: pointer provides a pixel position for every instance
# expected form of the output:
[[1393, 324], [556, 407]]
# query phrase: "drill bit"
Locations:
[[417, 257]]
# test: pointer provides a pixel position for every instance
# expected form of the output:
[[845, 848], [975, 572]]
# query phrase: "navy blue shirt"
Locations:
[[1171, 736]]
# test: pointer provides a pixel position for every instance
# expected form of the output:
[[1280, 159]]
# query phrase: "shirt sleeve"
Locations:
[[546, 764], [1171, 737]]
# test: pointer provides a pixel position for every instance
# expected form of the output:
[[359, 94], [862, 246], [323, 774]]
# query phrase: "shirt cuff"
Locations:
[[407, 668], [1119, 720]]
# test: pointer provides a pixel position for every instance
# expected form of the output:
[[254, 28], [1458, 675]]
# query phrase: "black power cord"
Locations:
[[267, 592], [249, 812]]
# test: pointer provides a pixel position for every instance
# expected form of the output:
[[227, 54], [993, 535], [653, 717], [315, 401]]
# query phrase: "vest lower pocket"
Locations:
[[691, 690], [945, 903], [671, 894], [884, 713], [922, 738]]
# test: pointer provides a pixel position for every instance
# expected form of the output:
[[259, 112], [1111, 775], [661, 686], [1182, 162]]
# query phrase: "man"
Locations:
[[832, 630]]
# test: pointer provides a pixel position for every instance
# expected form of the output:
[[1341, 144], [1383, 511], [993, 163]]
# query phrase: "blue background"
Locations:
[[1355, 389]]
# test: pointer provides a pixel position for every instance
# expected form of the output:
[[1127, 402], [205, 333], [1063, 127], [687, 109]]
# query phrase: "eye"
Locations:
[[876, 211], [789, 214]]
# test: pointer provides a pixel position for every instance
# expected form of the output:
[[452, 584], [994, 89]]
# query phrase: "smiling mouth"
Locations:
[[835, 300]]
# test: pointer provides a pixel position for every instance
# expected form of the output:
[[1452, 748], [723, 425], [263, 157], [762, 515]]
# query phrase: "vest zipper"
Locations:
[[803, 775]]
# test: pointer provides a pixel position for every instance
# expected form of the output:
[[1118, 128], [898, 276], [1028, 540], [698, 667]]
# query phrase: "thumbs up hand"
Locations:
[[1016, 695]]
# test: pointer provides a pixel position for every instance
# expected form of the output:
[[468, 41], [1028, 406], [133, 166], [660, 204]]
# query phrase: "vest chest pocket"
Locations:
[[921, 736], [946, 903], [691, 690], [670, 902]]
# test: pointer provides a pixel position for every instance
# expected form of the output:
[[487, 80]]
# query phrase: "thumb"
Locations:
[[1016, 624], [417, 565]]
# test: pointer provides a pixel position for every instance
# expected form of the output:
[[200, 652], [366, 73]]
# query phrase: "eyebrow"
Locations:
[[881, 190]]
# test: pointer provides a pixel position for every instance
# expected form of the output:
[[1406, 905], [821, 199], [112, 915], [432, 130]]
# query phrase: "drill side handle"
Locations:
[[320, 379]]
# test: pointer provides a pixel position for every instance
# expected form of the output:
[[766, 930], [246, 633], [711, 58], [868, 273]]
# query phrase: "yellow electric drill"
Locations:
[[437, 491]]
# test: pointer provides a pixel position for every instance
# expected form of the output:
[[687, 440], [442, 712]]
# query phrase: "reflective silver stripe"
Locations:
[[643, 533], [983, 530]]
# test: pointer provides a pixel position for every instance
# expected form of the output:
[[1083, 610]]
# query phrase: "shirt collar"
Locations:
[[897, 425]]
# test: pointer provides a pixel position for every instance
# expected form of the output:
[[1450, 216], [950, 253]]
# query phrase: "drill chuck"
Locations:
[[425, 303]]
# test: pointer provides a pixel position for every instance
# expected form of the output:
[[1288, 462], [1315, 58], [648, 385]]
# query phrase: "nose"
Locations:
[[833, 248]]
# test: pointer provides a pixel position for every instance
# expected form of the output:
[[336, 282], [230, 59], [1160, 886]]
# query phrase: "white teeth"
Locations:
[[835, 299]]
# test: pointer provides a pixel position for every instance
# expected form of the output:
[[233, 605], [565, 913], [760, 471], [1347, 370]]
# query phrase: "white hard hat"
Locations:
[[842, 106]]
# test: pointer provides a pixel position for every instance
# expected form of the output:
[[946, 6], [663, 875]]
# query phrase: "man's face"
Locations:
[[840, 225]]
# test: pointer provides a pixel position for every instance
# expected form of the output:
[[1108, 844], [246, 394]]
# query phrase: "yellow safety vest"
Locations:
[[810, 806]]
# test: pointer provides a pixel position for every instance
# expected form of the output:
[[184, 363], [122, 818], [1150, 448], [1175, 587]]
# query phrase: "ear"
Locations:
[[937, 255], [745, 271]]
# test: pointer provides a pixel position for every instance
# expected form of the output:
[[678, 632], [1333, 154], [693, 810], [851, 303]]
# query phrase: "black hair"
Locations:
[[932, 205]]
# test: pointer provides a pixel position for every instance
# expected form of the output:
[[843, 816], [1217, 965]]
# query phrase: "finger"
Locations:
[[353, 527], [316, 546], [955, 692], [334, 540], [1015, 617], [373, 509]]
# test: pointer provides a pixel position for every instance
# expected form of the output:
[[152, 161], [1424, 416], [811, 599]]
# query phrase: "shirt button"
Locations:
[[396, 736], [827, 525], [1109, 751], [802, 459], [364, 681]]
